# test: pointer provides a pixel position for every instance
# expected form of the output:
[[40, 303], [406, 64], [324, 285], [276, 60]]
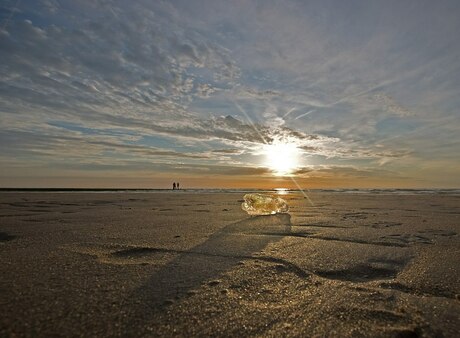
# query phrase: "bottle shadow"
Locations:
[[205, 262]]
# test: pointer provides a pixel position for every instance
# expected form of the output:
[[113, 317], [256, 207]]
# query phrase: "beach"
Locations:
[[184, 264]]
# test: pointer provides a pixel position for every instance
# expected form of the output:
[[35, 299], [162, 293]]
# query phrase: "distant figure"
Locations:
[[178, 185], [174, 185]]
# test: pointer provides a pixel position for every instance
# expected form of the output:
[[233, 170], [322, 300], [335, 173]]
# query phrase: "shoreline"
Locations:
[[279, 191]]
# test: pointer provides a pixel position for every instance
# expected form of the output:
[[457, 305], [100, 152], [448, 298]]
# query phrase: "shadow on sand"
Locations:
[[204, 263]]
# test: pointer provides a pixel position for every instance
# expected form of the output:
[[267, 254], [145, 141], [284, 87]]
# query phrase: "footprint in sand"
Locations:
[[383, 224], [407, 239], [371, 270], [437, 232], [355, 215], [423, 237], [397, 324], [121, 255]]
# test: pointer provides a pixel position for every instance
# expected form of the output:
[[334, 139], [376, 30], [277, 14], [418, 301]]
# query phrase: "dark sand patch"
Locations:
[[423, 292], [18, 215], [439, 232], [18, 204], [421, 237], [136, 252], [310, 214], [451, 212], [378, 315], [303, 234], [361, 241], [384, 224], [5, 237], [372, 270], [407, 239], [318, 225], [356, 215]]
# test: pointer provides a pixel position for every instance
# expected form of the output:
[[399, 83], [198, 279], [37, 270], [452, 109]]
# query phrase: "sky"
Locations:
[[138, 94]]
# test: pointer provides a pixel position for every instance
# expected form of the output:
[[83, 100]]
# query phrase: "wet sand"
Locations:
[[185, 264]]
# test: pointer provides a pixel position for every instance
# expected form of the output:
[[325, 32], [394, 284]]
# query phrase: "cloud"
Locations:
[[100, 148], [338, 172], [205, 90], [392, 106], [238, 171], [227, 151], [69, 63]]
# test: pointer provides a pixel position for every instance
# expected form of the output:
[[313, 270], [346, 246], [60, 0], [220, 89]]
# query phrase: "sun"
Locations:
[[281, 157]]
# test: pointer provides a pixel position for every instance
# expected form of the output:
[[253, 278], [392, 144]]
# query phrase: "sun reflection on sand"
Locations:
[[281, 191]]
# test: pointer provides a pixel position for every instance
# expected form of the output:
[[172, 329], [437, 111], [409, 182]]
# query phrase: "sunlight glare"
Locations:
[[281, 157], [281, 191]]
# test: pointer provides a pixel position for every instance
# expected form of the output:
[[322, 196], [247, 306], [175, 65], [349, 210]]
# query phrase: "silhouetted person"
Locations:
[[177, 185], [174, 185]]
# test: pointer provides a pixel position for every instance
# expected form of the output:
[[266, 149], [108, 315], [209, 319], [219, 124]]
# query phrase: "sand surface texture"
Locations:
[[187, 264]]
